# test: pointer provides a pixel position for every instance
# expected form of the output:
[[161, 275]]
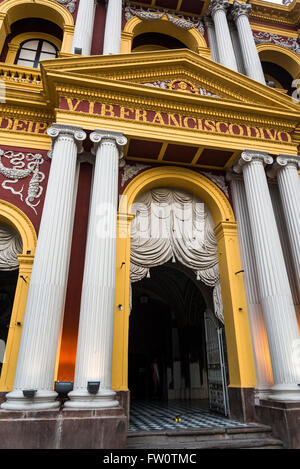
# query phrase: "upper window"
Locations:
[[33, 51]]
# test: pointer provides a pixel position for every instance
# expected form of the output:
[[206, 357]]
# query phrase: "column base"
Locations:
[[42, 400], [284, 419], [284, 393], [82, 399], [261, 393]]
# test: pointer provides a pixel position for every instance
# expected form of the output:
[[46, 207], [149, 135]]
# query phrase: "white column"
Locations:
[[46, 294], [95, 338], [240, 13], [218, 10], [275, 293], [286, 167], [84, 27], [212, 38], [237, 47], [113, 27], [259, 337]]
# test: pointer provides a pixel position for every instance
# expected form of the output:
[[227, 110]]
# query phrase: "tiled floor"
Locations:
[[175, 415]]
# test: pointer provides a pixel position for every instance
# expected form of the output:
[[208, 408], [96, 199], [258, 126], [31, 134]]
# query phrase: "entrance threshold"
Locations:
[[176, 415]]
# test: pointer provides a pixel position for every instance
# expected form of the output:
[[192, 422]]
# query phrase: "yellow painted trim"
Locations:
[[282, 56], [240, 356], [14, 10], [25, 140], [14, 45], [15, 218], [192, 38]]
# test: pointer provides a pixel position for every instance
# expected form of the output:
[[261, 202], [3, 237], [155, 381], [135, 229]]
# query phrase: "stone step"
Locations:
[[256, 443], [256, 436]]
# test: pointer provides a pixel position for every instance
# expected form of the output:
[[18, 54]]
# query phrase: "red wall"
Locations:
[[72, 306]]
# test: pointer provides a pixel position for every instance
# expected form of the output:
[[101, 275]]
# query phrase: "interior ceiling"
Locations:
[[159, 152]]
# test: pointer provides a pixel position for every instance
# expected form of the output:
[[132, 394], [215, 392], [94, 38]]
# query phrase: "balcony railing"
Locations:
[[16, 75]]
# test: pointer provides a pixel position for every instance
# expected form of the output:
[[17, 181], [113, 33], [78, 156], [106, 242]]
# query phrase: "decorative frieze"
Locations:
[[181, 85], [22, 166], [290, 43], [149, 14]]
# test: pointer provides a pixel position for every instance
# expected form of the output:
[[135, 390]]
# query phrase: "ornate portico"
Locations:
[[118, 125]]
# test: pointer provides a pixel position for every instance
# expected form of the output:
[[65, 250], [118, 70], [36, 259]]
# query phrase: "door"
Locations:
[[216, 371]]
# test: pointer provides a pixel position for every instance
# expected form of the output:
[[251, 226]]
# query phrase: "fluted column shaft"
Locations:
[[113, 27], [225, 48], [237, 48], [259, 337], [286, 168], [212, 38], [84, 26], [240, 13], [46, 294], [95, 339], [275, 293]]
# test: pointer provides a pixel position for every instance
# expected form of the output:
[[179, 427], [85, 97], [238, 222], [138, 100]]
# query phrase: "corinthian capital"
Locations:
[[216, 5], [100, 136], [239, 9], [249, 156]]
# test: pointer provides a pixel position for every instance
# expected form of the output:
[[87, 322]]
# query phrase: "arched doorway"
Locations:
[[171, 315], [242, 378], [176, 354]]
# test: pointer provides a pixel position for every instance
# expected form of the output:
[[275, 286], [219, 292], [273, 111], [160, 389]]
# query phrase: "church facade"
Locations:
[[149, 215]]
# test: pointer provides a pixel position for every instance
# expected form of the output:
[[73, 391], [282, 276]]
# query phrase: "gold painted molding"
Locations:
[[281, 56], [14, 45], [14, 10], [192, 38]]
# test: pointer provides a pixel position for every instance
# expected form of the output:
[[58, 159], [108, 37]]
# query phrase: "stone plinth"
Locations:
[[284, 418], [64, 429]]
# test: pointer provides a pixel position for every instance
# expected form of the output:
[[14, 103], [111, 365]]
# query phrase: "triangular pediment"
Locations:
[[179, 73]]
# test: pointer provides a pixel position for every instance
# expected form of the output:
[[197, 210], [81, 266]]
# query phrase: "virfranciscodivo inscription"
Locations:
[[172, 120]]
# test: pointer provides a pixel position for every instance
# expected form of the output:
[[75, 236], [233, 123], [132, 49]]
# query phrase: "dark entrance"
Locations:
[[8, 282], [168, 355]]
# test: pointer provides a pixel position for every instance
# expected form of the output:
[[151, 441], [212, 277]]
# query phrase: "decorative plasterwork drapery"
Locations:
[[172, 224], [69, 4], [270, 38], [10, 247], [182, 22]]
